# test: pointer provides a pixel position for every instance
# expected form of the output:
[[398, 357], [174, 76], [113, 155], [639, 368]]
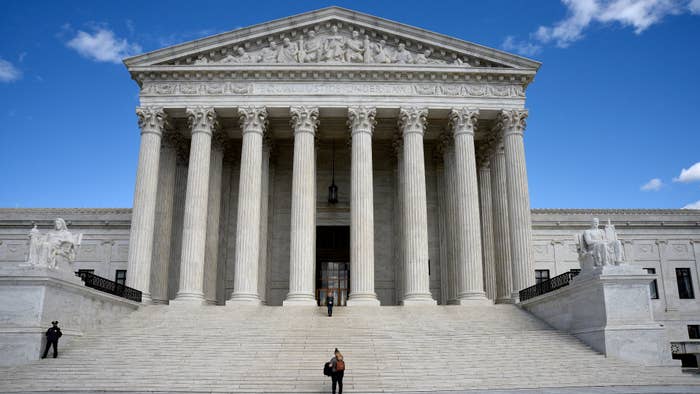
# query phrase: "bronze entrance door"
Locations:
[[332, 264]]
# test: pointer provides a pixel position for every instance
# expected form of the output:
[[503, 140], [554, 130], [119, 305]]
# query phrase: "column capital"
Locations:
[[304, 119], [463, 120], [483, 154], [218, 140], [397, 144], [152, 119], [512, 121], [202, 119], [252, 119], [413, 120], [361, 119]]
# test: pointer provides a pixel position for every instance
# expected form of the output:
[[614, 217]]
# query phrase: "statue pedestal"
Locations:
[[32, 297], [609, 309]]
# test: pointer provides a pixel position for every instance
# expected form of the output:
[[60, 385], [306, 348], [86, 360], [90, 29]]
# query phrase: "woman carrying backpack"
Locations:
[[338, 368]]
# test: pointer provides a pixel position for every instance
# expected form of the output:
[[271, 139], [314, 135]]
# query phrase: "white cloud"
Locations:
[[693, 205], [653, 185], [691, 174], [8, 72], [638, 14], [524, 48], [694, 7], [103, 46]]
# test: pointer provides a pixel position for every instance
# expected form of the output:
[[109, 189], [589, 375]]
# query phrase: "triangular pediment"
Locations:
[[331, 36]]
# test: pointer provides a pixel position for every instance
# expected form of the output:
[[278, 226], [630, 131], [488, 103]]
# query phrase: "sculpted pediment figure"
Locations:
[[331, 36]]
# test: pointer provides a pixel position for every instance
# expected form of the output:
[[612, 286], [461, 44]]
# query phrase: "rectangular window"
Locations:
[[653, 287], [541, 276], [120, 277], [693, 331], [685, 283]]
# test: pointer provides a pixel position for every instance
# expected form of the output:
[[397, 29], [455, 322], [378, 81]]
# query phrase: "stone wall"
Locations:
[[105, 244], [660, 239]]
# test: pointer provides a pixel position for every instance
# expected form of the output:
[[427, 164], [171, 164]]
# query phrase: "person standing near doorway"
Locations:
[[329, 303], [52, 335], [338, 368]]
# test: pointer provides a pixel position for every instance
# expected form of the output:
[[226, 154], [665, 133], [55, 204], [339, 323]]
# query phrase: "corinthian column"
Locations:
[[202, 121], [245, 282], [399, 236], [513, 122], [361, 121], [501, 237], [448, 156], [164, 218], [470, 278], [412, 123], [303, 225], [264, 215], [487, 225], [211, 256], [152, 122]]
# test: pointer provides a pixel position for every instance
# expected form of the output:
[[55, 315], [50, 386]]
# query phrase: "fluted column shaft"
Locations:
[[194, 228], [361, 121], [303, 222], [487, 248], [518, 200], [245, 282], [469, 265], [412, 123], [152, 122], [211, 256], [451, 202], [264, 211], [399, 236], [164, 219], [442, 219], [501, 233]]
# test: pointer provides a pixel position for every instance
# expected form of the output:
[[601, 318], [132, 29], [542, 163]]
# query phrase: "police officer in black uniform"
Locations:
[[52, 335]]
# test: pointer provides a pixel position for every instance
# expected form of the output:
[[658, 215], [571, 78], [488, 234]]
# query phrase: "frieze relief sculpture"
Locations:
[[599, 247], [332, 46], [54, 248]]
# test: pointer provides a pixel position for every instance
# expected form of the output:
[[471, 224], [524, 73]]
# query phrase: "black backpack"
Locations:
[[327, 370]]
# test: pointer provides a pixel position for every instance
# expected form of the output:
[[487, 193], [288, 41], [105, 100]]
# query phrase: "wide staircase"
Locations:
[[275, 349]]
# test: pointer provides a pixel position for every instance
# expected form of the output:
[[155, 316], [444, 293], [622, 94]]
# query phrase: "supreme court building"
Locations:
[[331, 152]]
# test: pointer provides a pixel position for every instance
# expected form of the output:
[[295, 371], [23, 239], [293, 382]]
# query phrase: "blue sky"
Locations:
[[613, 111]]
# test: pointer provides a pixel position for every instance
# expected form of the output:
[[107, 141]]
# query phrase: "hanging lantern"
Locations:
[[333, 189]]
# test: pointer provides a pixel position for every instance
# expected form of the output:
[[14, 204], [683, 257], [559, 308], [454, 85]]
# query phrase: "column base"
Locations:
[[515, 297], [473, 301], [243, 298], [300, 300], [504, 300], [363, 300], [188, 299], [146, 299], [418, 300]]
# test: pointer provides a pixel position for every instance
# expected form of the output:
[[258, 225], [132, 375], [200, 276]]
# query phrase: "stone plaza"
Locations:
[[335, 153]]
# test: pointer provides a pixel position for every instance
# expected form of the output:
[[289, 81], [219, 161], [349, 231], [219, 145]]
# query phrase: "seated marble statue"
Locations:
[[598, 247], [56, 246]]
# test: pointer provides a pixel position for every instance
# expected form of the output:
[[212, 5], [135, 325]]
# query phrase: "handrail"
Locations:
[[547, 286], [108, 286]]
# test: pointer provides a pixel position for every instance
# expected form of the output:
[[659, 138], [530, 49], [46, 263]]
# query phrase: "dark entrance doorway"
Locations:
[[332, 263]]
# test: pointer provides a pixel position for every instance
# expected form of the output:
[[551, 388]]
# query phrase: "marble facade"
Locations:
[[268, 99]]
